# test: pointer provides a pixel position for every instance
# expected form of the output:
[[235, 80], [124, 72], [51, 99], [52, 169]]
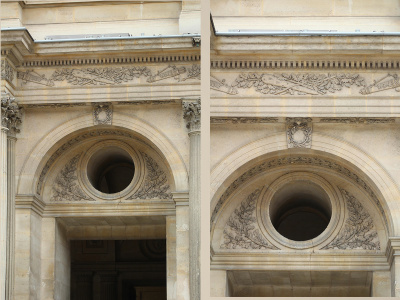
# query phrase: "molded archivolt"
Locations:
[[62, 153], [338, 157]]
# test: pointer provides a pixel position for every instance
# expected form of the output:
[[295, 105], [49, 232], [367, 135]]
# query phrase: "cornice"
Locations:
[[331, 120], [18, 45], [307, 44]]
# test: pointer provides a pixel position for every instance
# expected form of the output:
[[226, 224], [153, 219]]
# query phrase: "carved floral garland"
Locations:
[[65, 186], [155, 185], [241, 230], [359, 231]]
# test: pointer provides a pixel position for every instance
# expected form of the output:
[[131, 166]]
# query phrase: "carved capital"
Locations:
[[298, 132], [11, 113], [192, 113], [102, 114]]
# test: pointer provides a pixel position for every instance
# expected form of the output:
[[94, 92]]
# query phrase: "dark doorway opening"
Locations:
[[118, 270]]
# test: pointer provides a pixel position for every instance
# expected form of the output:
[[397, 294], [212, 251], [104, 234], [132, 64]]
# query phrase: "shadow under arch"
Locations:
[[226, 175], [45, 148]]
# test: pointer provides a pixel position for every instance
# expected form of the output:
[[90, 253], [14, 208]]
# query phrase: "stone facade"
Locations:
[[100, 127], [304, 126]]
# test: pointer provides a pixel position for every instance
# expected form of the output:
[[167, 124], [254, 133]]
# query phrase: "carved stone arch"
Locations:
[[370, 174], [61, 135]]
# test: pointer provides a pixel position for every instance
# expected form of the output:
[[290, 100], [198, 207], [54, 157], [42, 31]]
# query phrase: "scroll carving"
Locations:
[[155, 185], [243, 120], [359, 231], [11, 113], [298, 132], [66, 186], [242, 231], [356, 120], [192, 114]]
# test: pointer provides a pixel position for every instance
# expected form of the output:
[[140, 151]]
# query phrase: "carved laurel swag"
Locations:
[[359, 231], [7, 72], [66, 186], [155, 185], [242, 231]]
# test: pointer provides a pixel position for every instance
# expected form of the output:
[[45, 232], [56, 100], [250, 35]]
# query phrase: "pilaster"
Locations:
[[171, 257], [192, 112], [10, 121], [393, 256], [182, 245]]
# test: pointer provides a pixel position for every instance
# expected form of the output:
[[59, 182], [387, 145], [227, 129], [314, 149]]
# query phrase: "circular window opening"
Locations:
[[300, 210], [110, 170]]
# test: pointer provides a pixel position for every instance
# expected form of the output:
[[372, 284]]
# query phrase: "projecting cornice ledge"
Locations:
[[307, 44], [19, 45]]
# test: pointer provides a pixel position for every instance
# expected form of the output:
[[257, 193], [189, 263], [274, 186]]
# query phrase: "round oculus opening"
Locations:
[[110, 170], [300, 210]]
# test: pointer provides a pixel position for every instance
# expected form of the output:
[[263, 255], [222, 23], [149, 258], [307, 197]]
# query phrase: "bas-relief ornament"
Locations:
[[66, 186], [111, 75], [11, 113], [102, 114], [304, 83], [356, 120], [243, 120], [242, 230], [390, 81], [32, 76], [222, 86], [297, 83], [192, 114], [298, 132], [7, 72], [155, 185], [297, 160], [69, 144], [359, 230]]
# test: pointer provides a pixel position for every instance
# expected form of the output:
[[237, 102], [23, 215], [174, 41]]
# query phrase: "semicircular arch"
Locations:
[[237, 162], [43, 150]]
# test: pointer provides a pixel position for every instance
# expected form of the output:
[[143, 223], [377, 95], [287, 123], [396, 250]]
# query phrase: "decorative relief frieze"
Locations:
[[312, 84], [32, 76], [388, 82], [102, 114], [7, 72], [69, 144], [242, 230], [356, 120], [66, 186], [11, 113], [359, 230], [222, 86], [243, 120], [155, 185], [298, 132], [192, 114], [297, 160], [297, 83], [110, 75], [100, 76]]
